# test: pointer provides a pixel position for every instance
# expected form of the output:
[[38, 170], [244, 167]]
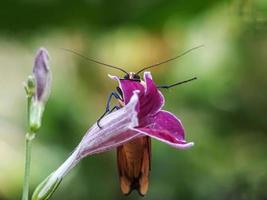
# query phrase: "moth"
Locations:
[[134, 157]]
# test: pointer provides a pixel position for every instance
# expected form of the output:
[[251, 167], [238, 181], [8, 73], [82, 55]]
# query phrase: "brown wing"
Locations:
[[134, 165]]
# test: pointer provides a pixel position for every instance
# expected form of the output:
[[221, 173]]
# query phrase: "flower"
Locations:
[[117, 128], [153, 121], [38, 87], [141, 115]]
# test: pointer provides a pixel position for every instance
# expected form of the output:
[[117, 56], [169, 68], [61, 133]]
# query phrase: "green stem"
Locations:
[[29, 137], [28, 140]]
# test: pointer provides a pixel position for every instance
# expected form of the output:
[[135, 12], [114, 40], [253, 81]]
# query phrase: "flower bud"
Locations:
[[42, 75], [40, 82]]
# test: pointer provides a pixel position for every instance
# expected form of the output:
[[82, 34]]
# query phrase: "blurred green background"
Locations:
[[224, 111]]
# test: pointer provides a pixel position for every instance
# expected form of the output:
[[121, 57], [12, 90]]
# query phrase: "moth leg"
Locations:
[[108, 110], [114, 108], [175, 84]]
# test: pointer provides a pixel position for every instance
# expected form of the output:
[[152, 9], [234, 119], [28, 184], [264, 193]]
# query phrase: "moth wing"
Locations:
[[134, 174], [125, 182], [146, 167]]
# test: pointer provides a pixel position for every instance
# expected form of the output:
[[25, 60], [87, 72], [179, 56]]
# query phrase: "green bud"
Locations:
[[30, 86], [31, 82], [45, 189]]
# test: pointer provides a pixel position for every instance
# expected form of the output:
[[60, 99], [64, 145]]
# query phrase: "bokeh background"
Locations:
[[224, 111]]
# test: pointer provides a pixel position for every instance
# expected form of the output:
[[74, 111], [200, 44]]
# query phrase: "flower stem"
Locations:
[[28, 139], [28, 145]]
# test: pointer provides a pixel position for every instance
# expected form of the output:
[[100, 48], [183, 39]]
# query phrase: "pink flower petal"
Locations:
[[166, 127], [153, 100], [165, 120], [166, 137], [116, 129]]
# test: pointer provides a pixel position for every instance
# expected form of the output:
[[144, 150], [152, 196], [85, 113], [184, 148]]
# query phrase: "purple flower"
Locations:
[[153, 121]]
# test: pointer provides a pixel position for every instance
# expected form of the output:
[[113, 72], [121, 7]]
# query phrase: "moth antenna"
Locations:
[[165, 61], [175, 84], [95, 61]]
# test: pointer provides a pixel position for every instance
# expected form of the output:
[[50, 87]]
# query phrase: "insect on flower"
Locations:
[[134, 157]]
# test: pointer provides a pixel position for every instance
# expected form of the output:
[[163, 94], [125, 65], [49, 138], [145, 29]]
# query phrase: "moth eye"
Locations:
[[126, 76], [136, 76]]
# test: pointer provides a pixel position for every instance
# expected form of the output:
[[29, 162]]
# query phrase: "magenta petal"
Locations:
[[153, 100], [165, 127], [165, 120], [128, 87], [166, 137]]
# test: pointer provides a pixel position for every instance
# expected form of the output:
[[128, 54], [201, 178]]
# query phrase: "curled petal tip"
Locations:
[[112, 77], [191, 144], [147, 74], [186, 145]]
